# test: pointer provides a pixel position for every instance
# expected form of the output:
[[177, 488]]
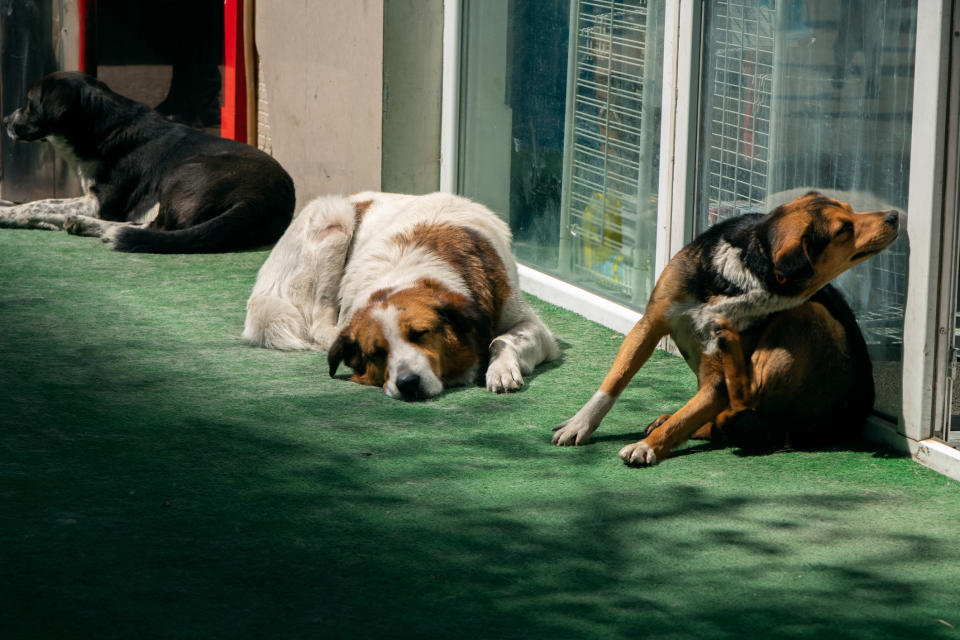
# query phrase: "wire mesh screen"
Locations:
[[610, 186], [738, 121], [814, 95]]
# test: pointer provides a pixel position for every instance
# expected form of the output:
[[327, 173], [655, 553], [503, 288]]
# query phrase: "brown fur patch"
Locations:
[[362, 347], [437, 322], [472, 256], [814, 239], [360, 210]]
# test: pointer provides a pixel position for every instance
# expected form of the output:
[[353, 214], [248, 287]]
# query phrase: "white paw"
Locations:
[[109, 235], [575, 431], [504, 376], [638, 454]]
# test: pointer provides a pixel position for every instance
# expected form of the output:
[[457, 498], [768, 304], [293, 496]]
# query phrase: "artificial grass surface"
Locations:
[[161, 479]]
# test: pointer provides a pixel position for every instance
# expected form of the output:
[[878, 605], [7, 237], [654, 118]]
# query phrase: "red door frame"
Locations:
[[233, 113], [87, 36]]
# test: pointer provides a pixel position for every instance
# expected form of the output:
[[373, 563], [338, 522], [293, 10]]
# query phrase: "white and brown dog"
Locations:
[[414, 293]]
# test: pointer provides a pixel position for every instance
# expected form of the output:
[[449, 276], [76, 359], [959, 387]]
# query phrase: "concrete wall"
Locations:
[[412, 79], [321, 68]]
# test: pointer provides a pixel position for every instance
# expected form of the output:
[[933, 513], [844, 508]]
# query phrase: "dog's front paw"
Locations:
[[73, 225], [504, 376], [575, 431], [638, 454]]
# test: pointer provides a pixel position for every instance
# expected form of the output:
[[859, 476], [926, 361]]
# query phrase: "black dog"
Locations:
[[150, 184]]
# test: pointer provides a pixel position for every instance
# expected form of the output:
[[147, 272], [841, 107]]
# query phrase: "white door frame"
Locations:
[[925, 324]]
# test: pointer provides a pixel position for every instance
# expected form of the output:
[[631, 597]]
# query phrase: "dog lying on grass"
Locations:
[[414, 293], [776, 350], [149, 184]]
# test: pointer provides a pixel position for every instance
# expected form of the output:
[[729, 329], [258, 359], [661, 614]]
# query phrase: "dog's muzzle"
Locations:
[[893, 218], [409, 385], [20, 130]]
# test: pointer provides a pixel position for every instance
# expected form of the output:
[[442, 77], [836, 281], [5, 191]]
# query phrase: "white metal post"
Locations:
[[450, 96], [925, 218]]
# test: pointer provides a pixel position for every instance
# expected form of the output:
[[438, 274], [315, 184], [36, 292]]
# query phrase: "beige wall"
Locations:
[[412, 80], [321, 72]]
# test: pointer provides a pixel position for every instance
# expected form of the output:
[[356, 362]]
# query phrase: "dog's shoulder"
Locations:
[[727, 259]]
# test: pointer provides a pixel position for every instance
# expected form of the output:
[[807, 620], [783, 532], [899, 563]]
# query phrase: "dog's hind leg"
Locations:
[[736, 370], [52, 214], [657, 423], [738, 379], [326, 265], [701, 408], [295, 301]]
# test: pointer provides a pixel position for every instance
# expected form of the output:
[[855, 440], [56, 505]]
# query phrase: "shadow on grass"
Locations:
[[159, 488]]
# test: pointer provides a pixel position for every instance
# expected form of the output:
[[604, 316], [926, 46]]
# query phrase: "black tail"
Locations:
[[239, 227], [750, 432]]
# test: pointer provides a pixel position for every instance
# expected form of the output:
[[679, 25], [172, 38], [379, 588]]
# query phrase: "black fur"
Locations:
[[749, 429], [214, 194], [753, 431]]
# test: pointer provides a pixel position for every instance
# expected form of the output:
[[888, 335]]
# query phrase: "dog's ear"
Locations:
[[465, 319], [792, 264], [345, 349]]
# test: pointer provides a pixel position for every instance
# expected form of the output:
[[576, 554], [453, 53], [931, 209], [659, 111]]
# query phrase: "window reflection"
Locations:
[[561, 134], [815, 95]]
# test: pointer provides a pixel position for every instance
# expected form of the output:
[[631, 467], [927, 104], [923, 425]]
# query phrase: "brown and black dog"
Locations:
[[777, 352]]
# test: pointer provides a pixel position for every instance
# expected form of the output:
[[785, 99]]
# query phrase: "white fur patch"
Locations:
[[728, 260], [742, 311], [85, 169], [578, 429], [404, 357], [394, 267], [317, 277]]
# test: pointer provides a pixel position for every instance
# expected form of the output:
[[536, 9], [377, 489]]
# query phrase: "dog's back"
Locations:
[[191, 191], [832, 395]]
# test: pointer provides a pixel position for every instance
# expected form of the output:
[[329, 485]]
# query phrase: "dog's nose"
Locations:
[[408, 384], [892, 218]]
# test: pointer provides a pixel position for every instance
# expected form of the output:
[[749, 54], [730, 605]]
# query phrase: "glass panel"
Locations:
[[561, 135], [815, 94], [953, 431]]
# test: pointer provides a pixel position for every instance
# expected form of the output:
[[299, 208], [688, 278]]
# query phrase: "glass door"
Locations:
[[560, 112], [950, 278], [814, 95]]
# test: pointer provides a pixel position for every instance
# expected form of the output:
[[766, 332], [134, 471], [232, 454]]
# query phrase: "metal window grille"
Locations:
[[738, 123], [740, 131], [610, 169]]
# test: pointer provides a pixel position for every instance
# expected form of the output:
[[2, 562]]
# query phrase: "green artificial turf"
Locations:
[[159, 478]]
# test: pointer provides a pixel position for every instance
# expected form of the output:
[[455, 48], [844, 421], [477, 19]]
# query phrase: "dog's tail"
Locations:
[[750, 432], [239, 227]]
